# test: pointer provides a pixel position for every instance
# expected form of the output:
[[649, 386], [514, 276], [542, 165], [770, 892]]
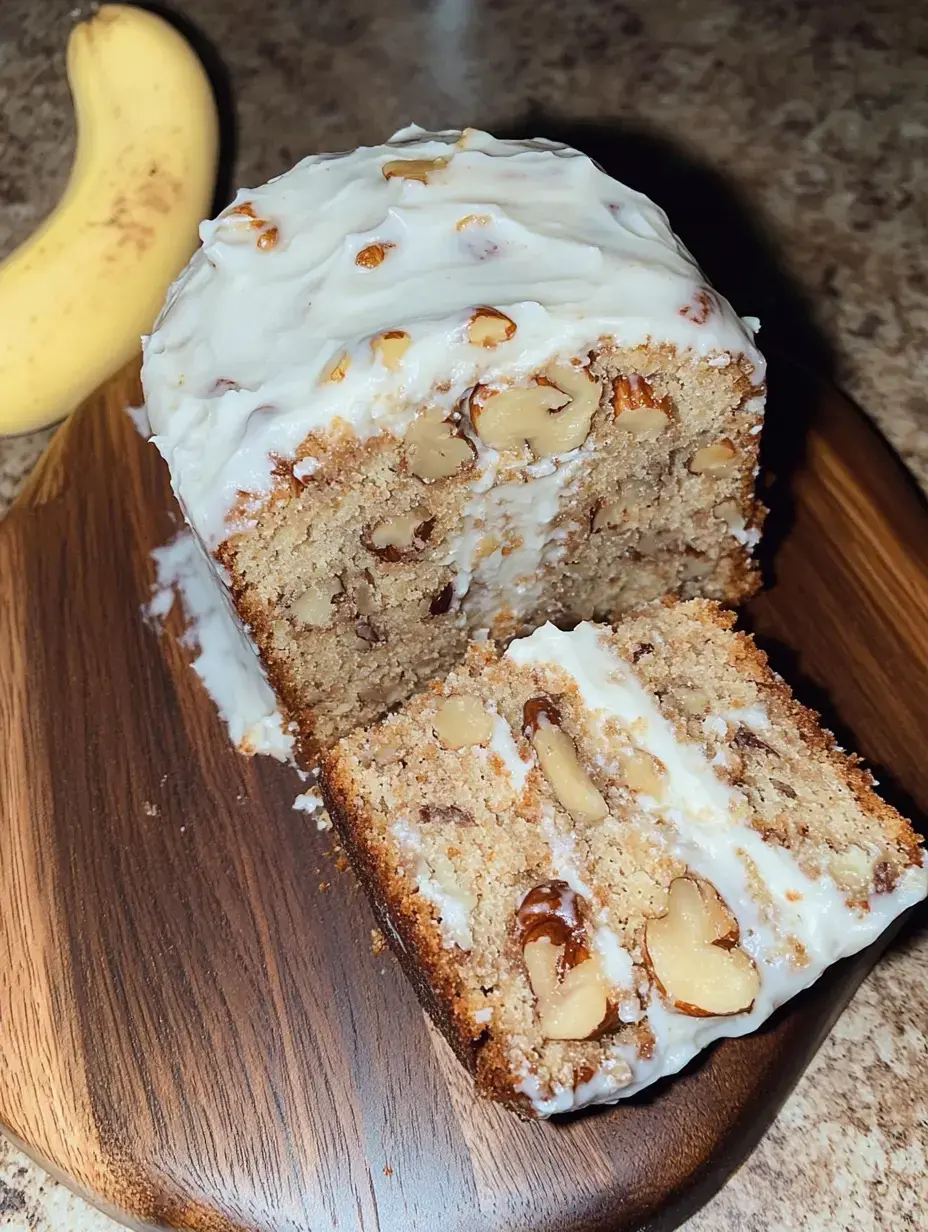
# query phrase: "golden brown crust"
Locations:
[[410, 930]]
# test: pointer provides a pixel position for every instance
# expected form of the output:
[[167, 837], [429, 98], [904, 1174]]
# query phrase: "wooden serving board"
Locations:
[[193, 1027]]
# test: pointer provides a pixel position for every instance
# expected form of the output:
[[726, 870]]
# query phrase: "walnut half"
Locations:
[[638, 409], [551, 416], [692, 952], [434, 447], [571, 993], [557, 756]]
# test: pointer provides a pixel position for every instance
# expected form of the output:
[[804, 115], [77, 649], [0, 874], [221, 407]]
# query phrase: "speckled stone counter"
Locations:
[[787, 140]]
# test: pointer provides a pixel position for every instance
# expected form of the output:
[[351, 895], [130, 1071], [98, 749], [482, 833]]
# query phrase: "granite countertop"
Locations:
[[787, 141]]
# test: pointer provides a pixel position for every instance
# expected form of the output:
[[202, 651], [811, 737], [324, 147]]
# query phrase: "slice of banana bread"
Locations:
[[602, 850], [449, 384]]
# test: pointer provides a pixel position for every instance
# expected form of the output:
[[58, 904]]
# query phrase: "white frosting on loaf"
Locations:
[[235, 370], [706, 823]]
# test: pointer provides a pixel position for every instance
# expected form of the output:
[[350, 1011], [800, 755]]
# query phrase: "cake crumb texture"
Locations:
[[408, 423], [644, 844]]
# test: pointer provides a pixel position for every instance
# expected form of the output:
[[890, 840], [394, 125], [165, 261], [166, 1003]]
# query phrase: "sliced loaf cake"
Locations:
[[601, 850], [446, 385]]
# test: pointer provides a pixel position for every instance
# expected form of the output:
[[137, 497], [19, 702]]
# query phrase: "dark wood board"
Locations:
[[197, 1033]]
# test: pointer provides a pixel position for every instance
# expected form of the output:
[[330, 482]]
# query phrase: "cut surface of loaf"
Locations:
[[603, 849], [445, 385]]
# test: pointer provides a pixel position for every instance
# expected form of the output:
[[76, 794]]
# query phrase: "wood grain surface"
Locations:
[[193, 1027]]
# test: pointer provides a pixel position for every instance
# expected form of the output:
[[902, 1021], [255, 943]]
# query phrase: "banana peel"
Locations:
[[77, 295]]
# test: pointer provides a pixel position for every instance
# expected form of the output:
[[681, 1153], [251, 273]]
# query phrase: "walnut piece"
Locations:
[[365, 595], [245, 210], [700, 307], [693, 953], [400, 537], [390, 347], [552, 909], [337, 369], [573, 1008], [434, 449], [488, 327], [717, 461], [314, 606], [461, 722], [608, 513], [557, 757], [730, 513], [644, 773], [383, 747], [445, 814], [412, 168], [571, 994], [367, 635], [473, 220], [852, 869], [552, 416], [638, 409], [441, 602], [373, 255]]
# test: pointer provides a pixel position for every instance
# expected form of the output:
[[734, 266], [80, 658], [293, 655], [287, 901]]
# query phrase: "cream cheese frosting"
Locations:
[[284, 288]]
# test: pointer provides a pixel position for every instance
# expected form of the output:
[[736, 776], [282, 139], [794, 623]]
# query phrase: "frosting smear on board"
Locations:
[[272, 332], [226, 661]]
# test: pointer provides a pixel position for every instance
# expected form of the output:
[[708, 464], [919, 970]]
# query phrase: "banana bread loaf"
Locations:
[[444, 385]]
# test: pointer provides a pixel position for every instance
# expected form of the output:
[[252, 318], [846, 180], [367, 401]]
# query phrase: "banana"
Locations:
[[77, 295]]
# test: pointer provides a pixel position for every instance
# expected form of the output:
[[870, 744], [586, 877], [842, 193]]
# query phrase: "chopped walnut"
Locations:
[[557, 756], [434, 447], [553, 416], [441, 602], [390, 347], [700, 307], [461, 722], [400, 537], [338, 368], [473, 220], [373, 255], [314, 607], [412, 168], [445, 814], [717, 461], [638, 410], [488, 327], [692, 952], [571, 993]]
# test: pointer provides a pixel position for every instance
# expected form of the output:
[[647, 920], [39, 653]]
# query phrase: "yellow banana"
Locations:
[[77, 295]]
